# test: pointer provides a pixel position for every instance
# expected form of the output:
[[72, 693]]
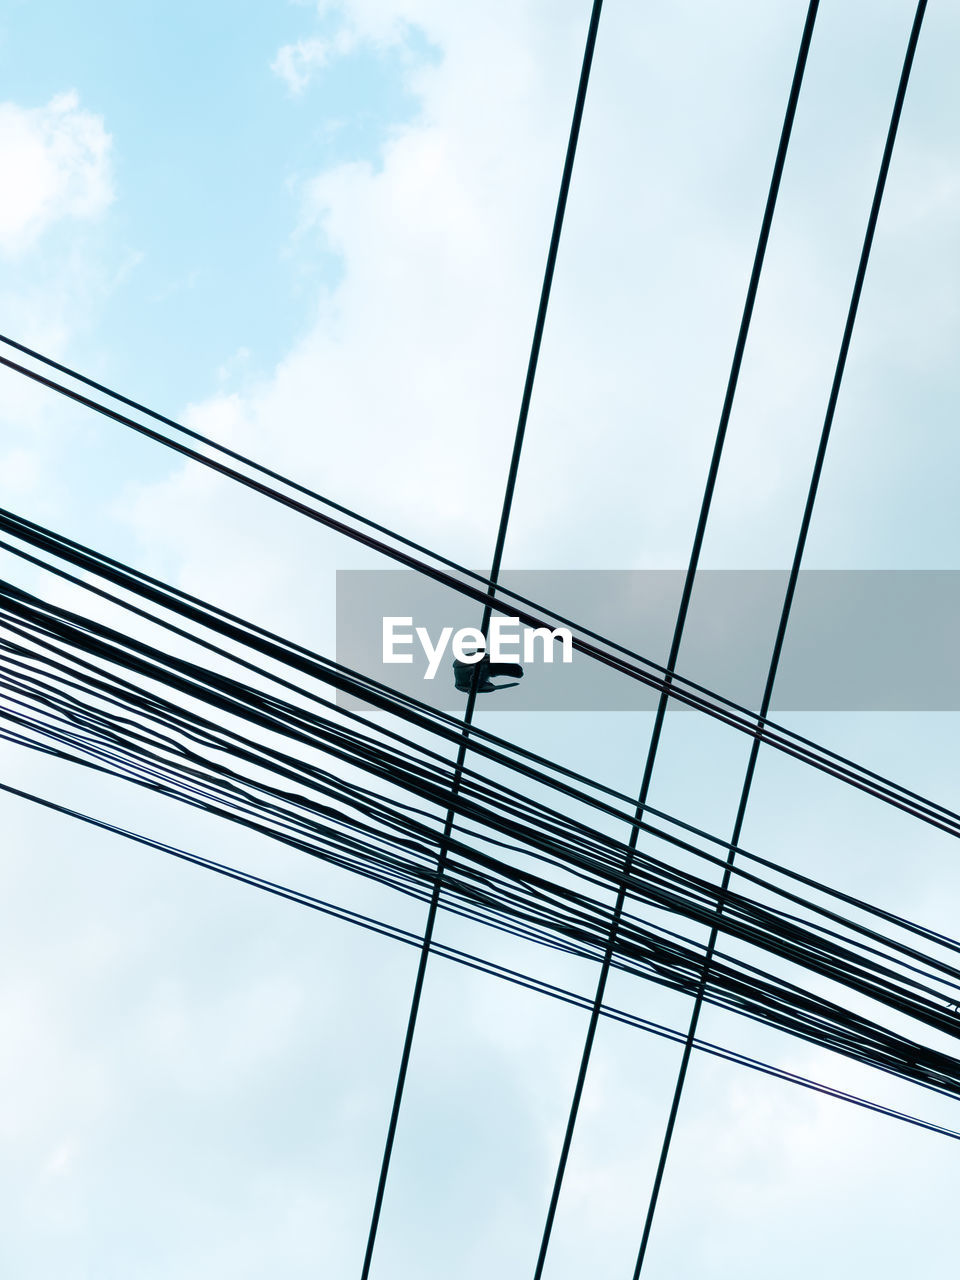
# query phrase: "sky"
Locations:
[[316, 232]]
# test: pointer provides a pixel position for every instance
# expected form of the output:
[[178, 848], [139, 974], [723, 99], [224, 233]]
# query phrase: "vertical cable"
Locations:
[[681, 616], [485, 623], [785, 612]]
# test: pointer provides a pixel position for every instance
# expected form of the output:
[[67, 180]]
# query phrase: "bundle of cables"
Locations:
[[252, 734]]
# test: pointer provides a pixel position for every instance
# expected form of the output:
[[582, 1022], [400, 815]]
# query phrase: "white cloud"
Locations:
[[401, 398], [415, 365], [296, 63], [56, 165], [60, 1161]]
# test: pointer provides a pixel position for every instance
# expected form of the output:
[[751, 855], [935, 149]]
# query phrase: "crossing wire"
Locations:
[[785, 611], [756, 740], [539, 830], [615, 655], [526, 764], [478, 964], [791, 1008], [678, 687], [494, 578], [713, 471]]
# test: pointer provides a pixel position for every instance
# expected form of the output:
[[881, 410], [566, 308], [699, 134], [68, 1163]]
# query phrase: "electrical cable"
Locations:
[[689, 578], [787, 603]]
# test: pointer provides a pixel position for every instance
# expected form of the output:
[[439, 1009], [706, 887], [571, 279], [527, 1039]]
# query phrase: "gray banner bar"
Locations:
[[858, 640]]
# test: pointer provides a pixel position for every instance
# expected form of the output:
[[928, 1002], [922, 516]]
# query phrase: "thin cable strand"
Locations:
[[785, 611]]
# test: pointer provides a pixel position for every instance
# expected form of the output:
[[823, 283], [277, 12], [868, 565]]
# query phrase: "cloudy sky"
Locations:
[[317, 232]]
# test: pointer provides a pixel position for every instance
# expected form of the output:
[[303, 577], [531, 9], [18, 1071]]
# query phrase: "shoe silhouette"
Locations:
[[464, 674]]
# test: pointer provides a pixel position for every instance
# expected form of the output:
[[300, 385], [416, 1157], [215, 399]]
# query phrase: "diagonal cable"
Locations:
[[477, 963], [487, 611], [699, 535], [787, 603]]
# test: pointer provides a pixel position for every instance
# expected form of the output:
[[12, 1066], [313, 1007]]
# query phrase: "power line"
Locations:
[[612, 654], [712, 473], [666, 686], [787, 603], [494, 579], [477, 963], [395, 843], [524, 763]]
